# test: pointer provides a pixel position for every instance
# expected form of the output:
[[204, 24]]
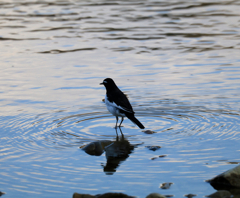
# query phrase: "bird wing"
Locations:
[[120, 101]]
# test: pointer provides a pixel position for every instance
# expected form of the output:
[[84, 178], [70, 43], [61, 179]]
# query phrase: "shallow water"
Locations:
[[178, 62]]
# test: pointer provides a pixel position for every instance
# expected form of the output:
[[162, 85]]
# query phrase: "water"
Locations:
[[178, 62]]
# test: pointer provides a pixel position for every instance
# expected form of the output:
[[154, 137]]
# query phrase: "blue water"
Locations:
[[177, 61]]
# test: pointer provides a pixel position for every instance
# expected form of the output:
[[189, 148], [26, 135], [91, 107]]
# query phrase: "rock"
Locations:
[[155, 195], [116, 152], [153, 158], [118, 149], [190, 195], [149, 132], [220, 194], [114, 195], [96, 148], [76, 195], [153, 148], [166, 185], [230, 178], [106, 195]]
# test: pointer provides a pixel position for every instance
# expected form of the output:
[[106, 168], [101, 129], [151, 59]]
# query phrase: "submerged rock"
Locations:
[[118, 149], [96, 148], [149, 132], [190, 195], [160, 156], [153, 148], [166, 185], [106, 195], [155, 195], [220, 194], [76, 195], [230, 178], [114, 195], [116, 152]]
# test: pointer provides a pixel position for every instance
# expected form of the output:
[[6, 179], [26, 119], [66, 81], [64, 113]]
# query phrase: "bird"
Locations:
[[118, 104]]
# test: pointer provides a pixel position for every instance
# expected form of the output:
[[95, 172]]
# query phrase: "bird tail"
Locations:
[[134, 120]]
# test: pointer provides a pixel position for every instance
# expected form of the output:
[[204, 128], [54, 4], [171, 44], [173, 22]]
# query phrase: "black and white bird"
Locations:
[[118, 104]]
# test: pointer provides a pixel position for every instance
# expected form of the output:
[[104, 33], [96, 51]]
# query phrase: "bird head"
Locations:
[[108, 83]]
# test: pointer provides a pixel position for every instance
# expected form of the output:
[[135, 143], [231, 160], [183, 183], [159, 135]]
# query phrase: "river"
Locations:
[[178, 61]]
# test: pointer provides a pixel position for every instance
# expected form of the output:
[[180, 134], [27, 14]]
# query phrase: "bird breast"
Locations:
[[113, 108]]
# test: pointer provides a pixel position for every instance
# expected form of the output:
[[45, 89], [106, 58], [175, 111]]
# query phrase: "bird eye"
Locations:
[[105, 81]]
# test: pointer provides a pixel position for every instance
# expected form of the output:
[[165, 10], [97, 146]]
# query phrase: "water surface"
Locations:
[[178, 62]]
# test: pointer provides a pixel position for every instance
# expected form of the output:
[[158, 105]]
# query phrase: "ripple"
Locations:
[[59, 129], [181, 50], [56, 51]]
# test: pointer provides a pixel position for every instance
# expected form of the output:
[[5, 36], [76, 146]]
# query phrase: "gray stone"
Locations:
[[77, 195], [220, 194], [149, 132], [155, 195], [105, 195], [166, 185], [190, 195], [96, 148], [114, 195], [118, 149], [229, 178], [153, 148]]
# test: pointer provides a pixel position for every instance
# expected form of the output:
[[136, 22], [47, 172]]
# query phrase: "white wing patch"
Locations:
[[119, 107], [113, 108]]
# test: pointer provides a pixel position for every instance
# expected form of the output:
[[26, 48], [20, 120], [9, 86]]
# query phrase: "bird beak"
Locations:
[[101, 84]]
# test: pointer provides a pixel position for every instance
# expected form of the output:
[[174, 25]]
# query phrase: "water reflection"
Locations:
[[115, 151]]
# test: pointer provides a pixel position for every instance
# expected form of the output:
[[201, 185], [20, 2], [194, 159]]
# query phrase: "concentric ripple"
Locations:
[[42, 148], [178, 61], [64, 128]]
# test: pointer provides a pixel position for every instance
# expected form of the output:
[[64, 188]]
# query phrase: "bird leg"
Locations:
[[121, 122], [116, 121]]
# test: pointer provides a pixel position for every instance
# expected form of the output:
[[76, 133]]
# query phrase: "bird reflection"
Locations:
[[115, 151], [120, 131]]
